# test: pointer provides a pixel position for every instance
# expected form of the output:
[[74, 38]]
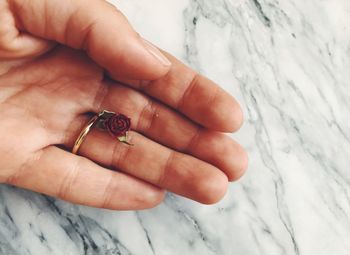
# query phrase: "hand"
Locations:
[[60, 61]]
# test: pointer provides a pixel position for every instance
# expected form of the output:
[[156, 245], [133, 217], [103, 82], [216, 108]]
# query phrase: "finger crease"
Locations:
[[194, 140], [143, 85], [100, 97], [68, 180], [85, 39], [187, 92], [122, 155], [165, 170], [150, 108], [106, 194], [214, 96], [14, 179]]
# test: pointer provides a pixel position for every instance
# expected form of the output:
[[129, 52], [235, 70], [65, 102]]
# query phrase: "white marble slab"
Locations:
[[288, 63]]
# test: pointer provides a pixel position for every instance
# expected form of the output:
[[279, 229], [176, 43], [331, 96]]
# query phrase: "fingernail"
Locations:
[[156, 53]]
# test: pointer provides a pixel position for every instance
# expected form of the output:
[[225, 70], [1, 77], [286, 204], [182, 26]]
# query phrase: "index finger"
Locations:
[[194, 95]]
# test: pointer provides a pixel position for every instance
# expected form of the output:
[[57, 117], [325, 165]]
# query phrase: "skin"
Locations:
[[61, 61]]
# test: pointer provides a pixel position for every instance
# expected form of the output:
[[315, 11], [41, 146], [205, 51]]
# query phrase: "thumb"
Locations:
[[95, 26]]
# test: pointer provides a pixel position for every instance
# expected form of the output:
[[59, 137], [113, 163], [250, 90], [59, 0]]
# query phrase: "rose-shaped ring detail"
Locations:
[[116, 124]]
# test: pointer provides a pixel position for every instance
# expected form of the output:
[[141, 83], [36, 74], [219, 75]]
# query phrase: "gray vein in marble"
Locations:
[[288, 64]]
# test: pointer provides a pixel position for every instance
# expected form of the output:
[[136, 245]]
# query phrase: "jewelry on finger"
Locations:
[[116, 124]]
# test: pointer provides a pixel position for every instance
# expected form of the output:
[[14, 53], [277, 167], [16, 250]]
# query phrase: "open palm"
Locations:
[[177, 120]]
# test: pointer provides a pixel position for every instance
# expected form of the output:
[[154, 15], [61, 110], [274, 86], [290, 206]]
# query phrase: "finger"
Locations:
[[14, 45], [194, 95], [153, 119], [156, 164], [78, 180], [168, 127], [96, 27]]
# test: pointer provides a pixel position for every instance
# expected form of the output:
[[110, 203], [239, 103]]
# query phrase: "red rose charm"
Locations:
[[118, 125]]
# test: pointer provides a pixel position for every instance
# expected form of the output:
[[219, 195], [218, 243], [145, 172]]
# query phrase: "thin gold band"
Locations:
[[85, 131]]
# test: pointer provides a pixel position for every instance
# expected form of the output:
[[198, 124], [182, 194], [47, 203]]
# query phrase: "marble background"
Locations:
[[288, 63]]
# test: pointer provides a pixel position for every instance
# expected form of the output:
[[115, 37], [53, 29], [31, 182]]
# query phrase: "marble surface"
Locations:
[[288, 63]]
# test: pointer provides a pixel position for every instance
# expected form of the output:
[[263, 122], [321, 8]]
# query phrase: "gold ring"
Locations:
[[84, 133], [116, 124]]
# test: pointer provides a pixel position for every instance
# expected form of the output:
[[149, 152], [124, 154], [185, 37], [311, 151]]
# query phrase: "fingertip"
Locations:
[[238, 118], [156, 53], [223, 152], [228, 114], [240, 164], [135, 60], [152, 198], [211, 189], [150, 64], [211, 106]]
